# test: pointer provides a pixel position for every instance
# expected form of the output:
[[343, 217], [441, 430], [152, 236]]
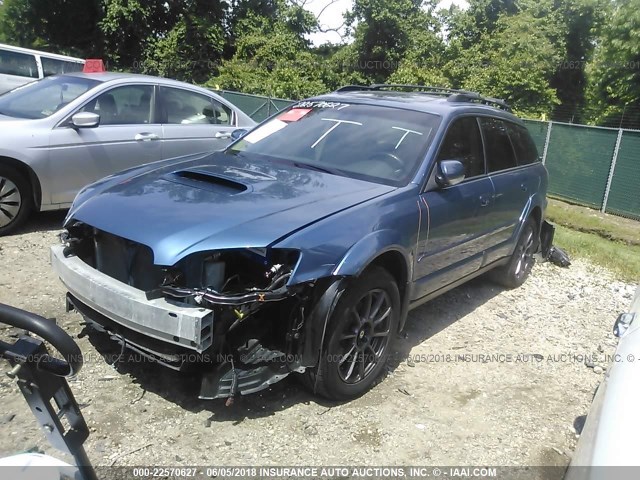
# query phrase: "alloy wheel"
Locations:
[[525, 254], [10, 201], [365, 336]]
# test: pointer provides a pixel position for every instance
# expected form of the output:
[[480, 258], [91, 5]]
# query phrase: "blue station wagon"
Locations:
[[301, 247]]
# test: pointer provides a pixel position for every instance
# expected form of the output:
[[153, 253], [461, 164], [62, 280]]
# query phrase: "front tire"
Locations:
[[359, 337], [16, 200], [514, 273]]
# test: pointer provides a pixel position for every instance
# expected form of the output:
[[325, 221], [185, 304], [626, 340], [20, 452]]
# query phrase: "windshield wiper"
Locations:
[[317, 168]]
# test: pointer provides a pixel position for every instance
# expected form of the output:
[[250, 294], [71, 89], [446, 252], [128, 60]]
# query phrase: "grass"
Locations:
[[606, 240], [588, 220]]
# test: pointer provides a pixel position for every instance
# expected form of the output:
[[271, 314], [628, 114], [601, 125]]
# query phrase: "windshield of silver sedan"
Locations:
[[45, 97], [370, 142]]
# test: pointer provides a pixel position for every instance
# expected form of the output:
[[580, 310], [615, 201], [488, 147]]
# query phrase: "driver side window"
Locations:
[[464, 143]]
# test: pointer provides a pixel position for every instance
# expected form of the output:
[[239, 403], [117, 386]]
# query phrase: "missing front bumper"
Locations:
[[160, 319]]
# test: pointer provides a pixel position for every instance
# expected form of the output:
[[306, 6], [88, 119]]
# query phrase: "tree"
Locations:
[[385, 31], [615, 73], [60, 26], [193, 48], [515, 63], [272, 56], [130, 26]]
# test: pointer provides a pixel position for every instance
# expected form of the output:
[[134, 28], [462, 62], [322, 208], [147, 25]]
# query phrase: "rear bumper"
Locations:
[[160, 319]]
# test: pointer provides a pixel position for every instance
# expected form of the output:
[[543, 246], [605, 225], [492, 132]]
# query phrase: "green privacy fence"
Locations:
[[257, 107], [593, 166], [624, 192]]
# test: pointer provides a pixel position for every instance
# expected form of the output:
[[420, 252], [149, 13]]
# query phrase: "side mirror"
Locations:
[[238, 133], [622, 324], [85, 120], [449, 172]]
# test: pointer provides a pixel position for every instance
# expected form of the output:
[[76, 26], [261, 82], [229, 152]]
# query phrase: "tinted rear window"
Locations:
[[526, 151], [499, 152]]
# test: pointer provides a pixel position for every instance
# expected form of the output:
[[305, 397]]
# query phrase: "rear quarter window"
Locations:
[[526, 151]]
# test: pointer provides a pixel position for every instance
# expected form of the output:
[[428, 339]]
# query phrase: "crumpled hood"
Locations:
[[216, 202]]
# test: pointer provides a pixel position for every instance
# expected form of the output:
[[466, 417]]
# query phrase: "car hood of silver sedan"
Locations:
[[220, 201]]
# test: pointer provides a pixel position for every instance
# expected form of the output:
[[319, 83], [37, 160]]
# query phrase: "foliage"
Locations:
[[615, 71], [61, 26], [192, 48], [273, 58], [515, 63], [564, 59], [386, 33]]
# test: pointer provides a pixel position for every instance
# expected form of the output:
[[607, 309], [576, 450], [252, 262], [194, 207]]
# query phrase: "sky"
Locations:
[[332, 16]]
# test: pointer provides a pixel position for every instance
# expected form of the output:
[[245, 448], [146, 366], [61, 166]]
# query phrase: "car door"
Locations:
[[126, 137], [454, 228], [512, 183], [193, 122]]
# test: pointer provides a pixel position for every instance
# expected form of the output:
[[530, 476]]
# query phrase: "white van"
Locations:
[[21, 65]]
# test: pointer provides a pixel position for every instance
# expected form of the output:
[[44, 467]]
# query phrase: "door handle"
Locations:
[[222, 135], [484, 201], [146, 137], [523, 187]]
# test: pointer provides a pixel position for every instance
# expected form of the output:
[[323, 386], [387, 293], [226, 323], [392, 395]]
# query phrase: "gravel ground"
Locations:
[[517, 399]]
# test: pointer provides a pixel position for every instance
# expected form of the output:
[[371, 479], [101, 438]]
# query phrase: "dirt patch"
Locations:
[[483, 376]]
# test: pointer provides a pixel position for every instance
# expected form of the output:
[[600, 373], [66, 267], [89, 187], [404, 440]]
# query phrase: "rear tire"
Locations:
[[358, 337], [16, 199], [514, 273]]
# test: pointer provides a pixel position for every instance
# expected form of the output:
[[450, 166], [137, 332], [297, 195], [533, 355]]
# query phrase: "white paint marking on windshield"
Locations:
[[407, 132], [338, 123], [265, 130]]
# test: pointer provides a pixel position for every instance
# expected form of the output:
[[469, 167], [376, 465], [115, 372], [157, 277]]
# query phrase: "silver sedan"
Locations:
[[64, 132], [609, 437]]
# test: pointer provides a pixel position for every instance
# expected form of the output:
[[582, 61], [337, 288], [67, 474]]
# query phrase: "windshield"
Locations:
[[45, 97], [379, 144]]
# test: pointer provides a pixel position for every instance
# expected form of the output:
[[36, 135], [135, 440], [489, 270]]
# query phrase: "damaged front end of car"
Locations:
[[231, 313]]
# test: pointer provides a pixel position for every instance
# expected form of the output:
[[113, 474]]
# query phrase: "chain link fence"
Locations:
[[597, 167]]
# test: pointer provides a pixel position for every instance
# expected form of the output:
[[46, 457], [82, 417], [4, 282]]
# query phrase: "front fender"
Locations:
[[367, 249]]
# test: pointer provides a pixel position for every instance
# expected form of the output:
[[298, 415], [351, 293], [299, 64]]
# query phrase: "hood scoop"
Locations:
[[207, 181]]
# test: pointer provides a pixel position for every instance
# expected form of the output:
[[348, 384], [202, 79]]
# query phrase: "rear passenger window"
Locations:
[[526, 151], [182, 107], [18, 64], [498, 149], [463, 142]]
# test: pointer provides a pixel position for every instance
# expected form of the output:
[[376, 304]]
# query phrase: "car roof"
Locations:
[[104, 77], [123, 77], [417, 101]]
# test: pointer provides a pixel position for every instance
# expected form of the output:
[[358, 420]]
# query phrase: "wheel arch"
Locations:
[[383, 248], [30, 175]]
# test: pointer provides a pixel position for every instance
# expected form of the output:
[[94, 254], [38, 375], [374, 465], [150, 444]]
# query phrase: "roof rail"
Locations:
[[453, 95], [474, 97], [381, 86], [353, 88]]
